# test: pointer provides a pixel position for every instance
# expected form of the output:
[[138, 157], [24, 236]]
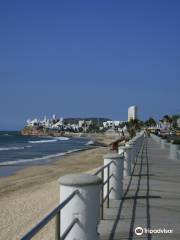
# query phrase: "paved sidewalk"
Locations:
[[151, 200]]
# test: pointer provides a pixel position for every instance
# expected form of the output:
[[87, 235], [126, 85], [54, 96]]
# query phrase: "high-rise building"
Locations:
[[132, 113]]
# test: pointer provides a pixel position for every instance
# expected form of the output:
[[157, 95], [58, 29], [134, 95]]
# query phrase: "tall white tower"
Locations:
[[132, 113]]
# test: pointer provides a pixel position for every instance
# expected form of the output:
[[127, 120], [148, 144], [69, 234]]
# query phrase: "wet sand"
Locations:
[[30, 194]]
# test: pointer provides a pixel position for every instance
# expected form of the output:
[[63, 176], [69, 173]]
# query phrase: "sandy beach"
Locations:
[[31, 193]]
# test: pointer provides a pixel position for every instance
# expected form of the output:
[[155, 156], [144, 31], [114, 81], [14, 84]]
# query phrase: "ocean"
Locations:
[[17, 151]]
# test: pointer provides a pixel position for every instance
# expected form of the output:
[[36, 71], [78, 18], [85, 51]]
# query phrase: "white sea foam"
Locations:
[[50, 140], [43, 141], [38, 159], [14, 148], [62, 138], [91, 142]]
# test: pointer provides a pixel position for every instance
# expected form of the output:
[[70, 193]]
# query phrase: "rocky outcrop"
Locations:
[[36, 131]]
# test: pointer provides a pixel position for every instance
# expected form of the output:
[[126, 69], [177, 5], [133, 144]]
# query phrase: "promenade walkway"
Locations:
[[151, 199]]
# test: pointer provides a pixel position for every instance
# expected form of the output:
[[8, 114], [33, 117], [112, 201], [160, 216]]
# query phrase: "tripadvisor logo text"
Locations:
[[140, 231]]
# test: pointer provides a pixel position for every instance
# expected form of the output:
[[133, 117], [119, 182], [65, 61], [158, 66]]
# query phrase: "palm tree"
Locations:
[[150, 122]]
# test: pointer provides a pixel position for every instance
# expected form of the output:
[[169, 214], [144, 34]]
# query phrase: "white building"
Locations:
[[132, 113], [178, 122], [31, 123], [81, 123], [117, 123]]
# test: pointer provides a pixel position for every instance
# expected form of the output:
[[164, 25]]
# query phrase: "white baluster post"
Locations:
[[85, 205], [116, 173]]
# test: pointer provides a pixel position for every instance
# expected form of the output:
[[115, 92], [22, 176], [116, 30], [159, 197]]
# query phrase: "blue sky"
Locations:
[[88, 58]]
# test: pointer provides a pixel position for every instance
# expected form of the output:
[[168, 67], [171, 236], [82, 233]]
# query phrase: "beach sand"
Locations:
[[31, 193]]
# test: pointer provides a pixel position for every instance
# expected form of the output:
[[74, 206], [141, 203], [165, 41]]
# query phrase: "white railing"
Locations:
[[171, 147], [80, 192], [178, 155]]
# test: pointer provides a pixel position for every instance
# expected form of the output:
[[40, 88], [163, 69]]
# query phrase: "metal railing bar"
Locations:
[[105, 198], [112, 175], [102, 168], [108, 186], [111, 190], [69, 229], [104, 183], [57, 230], [48, 218], [102, 197], [98, 172], [107, 180]]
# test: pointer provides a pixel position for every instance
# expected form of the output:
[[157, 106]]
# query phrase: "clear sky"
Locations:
[[88, 58]]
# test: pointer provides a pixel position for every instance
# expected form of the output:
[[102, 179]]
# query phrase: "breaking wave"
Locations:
[[43, 141], [91, 142], [62, 138], [39, 158], [50, 140]]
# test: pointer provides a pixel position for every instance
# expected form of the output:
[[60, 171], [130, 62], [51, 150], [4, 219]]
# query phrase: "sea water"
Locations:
[[17, 151]]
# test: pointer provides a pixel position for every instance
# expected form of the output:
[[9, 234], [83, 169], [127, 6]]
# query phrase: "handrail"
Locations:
[[178, 154], [106, 182], [48, 218], [102, 168], [106, 197], [103, 199], [57, 210]]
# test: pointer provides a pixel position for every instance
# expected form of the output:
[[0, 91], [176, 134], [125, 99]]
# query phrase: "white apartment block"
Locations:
[[132, 113]]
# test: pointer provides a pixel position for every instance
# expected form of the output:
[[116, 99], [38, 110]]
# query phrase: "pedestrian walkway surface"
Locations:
[[151, 199]]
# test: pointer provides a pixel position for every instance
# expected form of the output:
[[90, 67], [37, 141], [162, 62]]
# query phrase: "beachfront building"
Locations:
[[32, 123], [132, 113], [56, 124], [178, 122], [52, 123], [109, 124], [113, 127], [81, 123], [75, 125]]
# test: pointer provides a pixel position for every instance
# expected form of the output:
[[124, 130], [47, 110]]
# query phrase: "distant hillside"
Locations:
[[95, 120]]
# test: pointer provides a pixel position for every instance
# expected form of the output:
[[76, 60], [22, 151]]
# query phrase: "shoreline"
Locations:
[[50, 170], [18, 165]]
